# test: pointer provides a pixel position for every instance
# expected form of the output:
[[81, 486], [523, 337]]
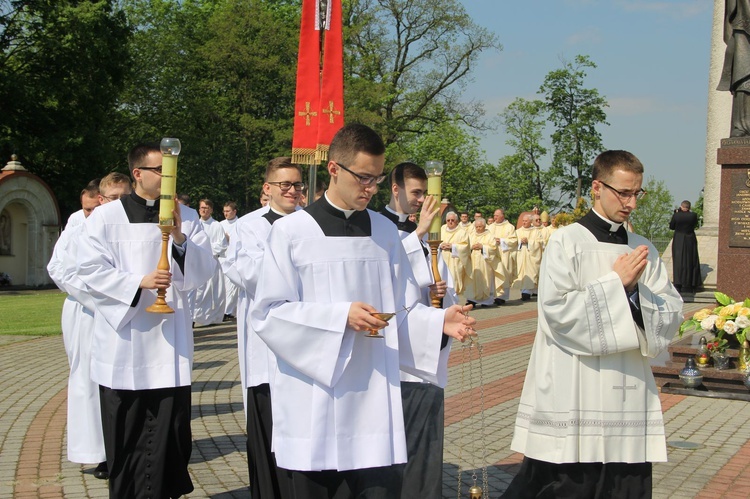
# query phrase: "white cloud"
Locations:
[[676, 9], [633, 106], [587, 36], [640, 106]]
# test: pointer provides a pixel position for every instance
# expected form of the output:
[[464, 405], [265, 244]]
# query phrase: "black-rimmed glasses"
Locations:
[[155, 169], [364, 179], [285, 186], [625, 196]]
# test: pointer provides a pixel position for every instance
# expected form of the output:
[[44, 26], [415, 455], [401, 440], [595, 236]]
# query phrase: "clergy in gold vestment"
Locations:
[[455, 250], [504, 266], [589, 419], [529, 257], [480, 287]]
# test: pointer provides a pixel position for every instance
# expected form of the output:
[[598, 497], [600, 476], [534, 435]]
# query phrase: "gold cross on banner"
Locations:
[[330, 111], [307, 113]]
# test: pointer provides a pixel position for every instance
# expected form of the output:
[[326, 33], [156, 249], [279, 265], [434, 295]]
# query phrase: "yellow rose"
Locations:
[[736, 308], [726, 311], [720, 323], [744, 311], [702, 314]]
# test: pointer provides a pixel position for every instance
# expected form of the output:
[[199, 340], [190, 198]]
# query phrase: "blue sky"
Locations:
[[652, 58]]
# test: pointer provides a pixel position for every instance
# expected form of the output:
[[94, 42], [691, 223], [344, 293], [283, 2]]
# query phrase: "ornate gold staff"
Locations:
[[170, 149], [434, 171]]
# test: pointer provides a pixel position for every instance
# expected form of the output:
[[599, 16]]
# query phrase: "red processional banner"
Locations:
[[332, 82], [319, 101]]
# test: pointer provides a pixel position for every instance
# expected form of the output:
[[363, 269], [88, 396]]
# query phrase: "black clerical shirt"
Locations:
[[602, 231], [271, 216], [140, 211], [334, 223], [409, 227]]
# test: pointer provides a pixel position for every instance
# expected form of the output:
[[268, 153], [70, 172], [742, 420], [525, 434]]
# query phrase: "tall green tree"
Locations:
[[528, 178], [404, 58], [575, 113], [468, 182], [220, 76], [651, 218], [62, 65]]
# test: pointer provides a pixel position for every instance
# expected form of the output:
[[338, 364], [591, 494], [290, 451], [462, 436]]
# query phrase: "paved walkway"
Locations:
[[33, 377]]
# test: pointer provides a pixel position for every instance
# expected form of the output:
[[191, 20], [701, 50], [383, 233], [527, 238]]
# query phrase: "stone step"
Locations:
[[711, 376], [706, 296]]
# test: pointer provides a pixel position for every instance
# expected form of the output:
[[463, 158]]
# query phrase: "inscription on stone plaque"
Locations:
[[739, 211], [735, 142]]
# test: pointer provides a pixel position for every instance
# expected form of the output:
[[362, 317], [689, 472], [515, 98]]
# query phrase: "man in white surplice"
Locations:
[[422, 396], [230, 229], [589, 420], [142, 360], [210, 299], [84, 423], [338, 425]]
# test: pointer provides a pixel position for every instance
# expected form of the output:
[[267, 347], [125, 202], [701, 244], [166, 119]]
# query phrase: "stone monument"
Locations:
[[733, 156]]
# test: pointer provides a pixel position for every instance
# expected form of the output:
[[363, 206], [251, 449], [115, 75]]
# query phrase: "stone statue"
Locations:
[[735, 75]]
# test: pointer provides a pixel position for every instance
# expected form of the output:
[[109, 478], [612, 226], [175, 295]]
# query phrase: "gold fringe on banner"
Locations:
[[321, 153], [302, 156]]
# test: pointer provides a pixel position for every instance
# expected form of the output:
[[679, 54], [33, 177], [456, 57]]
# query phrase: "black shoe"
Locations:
[[499, 301], [101, 472], [469, 302], [525, 297]]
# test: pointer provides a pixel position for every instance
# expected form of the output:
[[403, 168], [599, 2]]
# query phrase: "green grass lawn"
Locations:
[[31, 313]]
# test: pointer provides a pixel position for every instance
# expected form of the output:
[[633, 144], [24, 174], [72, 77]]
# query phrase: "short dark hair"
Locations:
[[685, 204], [207, 202], [231, 204], [277, 164], [92, 188], [353, 139], [184, 198], [138, 154], [607, 162], [404, 171]]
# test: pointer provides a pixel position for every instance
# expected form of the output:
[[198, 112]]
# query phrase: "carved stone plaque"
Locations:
[[739, 211]]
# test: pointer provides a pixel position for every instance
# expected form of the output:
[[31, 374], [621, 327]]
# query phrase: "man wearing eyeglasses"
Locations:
[[338, 425], [84, 424], [589, 420], [455, 250], [283, 185], [142, 361]]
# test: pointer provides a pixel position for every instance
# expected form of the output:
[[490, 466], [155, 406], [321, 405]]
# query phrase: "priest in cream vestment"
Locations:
[[507, 241], [529, 257], [589, 420], [480, 287], [455, 251]]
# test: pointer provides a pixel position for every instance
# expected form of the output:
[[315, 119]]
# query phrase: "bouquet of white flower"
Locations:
[[730, 317]]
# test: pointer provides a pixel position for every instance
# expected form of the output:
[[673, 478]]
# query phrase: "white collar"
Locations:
[[613, 226], [402, 217], [347, 213]]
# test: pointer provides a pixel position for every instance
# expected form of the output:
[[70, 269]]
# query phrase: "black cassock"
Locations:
[[686, 263]]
